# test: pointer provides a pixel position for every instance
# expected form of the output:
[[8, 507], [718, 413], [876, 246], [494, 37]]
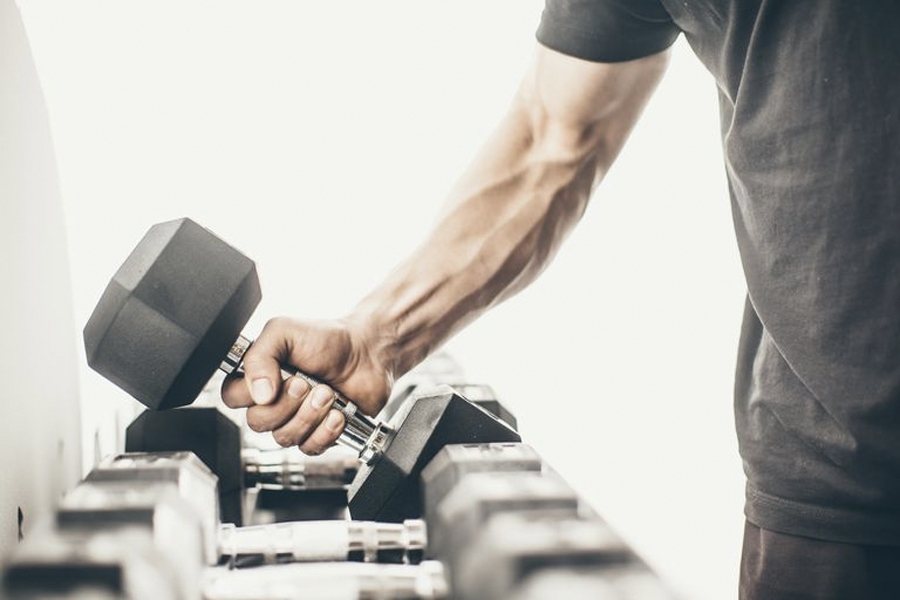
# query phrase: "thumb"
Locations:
[[262, 367]]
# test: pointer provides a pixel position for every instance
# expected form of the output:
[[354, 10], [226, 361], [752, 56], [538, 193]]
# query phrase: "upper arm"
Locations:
[[577, 108]]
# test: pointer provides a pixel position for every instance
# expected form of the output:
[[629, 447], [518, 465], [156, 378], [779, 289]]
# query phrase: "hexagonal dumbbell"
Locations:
[[480, 496], [312, 487], [82, 563], [518, 555], [242, 546], [484, 396], [172, 314], [480, 394], [192, 480], [158, 509], [458, 460], [389, 488], [441, 369]]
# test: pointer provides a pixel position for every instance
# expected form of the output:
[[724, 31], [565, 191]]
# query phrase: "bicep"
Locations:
[[580, 108]]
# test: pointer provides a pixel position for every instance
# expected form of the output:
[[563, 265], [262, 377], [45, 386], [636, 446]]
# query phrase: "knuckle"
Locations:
[[319, 441], [274, 324], [311, 449], [254, 422], [254, 361], [283, 438], [321, 397], [292, 433], [300, 389], [332, 438]]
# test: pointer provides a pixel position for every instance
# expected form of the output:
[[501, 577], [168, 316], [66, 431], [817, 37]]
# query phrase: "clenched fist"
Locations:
[[340, 352]]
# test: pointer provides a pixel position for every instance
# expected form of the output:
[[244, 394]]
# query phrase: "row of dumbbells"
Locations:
[[130, 529], [502, 524], [286, 485], [133, 527], [541, 524], [146, 525]]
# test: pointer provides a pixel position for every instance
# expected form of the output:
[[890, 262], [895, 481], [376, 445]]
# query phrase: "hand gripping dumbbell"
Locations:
[[312, 487], [173, 313], [335, 540]]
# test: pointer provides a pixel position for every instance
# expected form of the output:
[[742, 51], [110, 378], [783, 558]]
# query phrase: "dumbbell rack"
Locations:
[[501, 524]]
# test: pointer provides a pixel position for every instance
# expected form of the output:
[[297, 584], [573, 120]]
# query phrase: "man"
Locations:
[[810, 112]]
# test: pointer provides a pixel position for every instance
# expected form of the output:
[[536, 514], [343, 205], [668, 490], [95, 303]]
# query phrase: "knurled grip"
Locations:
[[358, 428]]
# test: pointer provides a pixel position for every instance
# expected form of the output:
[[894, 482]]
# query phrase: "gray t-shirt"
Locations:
[[810, 116]]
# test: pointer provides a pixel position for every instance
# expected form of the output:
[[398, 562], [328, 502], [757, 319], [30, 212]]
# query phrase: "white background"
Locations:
[[320, 138]]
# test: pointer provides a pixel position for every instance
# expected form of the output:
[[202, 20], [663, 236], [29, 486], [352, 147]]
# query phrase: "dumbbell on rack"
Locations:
[[456, 461], [315, 486], [515, 547], [480, 394], [133, 531], [613, 582], [171, 522], [334, 540], [173, 314], [441, 369], [119, 559], [98, 565], [484, 396], [497, 515], [467, 483], [479, 496], [329, 581]]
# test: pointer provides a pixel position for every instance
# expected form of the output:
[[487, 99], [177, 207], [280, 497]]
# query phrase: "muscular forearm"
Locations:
[[510, 211], [503, 223]]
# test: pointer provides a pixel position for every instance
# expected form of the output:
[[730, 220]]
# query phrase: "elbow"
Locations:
[[564, 144]]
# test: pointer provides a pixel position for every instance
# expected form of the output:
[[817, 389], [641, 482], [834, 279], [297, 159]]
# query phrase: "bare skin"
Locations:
[[502, 224]]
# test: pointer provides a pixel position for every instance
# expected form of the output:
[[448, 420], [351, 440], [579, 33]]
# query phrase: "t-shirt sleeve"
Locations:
[[606, 30]]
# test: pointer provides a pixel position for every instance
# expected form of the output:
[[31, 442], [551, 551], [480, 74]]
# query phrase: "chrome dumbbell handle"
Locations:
[[307, 541], [361, 433], [279, 469]]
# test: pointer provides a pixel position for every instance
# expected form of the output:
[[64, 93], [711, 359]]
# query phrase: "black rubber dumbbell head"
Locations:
[[476, 393], [170, 314], [213, 437], [389, 489]]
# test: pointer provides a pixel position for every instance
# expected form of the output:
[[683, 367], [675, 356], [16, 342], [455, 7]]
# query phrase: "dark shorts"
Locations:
[[775, 566]]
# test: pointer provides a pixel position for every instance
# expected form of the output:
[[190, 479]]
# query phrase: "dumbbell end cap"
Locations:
[[170, 313], [416, 534]]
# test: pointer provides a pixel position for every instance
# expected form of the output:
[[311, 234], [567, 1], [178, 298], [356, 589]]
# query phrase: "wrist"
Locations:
[[377, 338]]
